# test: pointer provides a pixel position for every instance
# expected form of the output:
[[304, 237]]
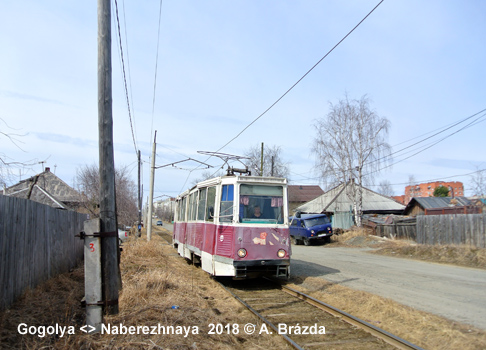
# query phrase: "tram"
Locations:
[[235, 226]]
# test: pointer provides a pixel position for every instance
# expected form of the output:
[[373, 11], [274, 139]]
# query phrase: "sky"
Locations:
[[215, 66]]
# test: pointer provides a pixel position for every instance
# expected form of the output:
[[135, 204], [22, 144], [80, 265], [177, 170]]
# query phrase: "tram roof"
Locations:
[[228, 179]]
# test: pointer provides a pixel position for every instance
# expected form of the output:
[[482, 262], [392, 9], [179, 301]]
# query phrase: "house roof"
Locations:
[[45, 188], [303, 193], [337, 200], [436, 202]]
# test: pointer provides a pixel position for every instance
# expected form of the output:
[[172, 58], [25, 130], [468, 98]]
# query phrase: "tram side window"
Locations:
[[201, 209], [226, 211], [182, 214], [210, 204], [188, 207], [193, 205], [177, 211]]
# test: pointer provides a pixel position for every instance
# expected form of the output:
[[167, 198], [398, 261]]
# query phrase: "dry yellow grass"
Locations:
[[444, 254], [347, 235], [459, 255], [154, 280]]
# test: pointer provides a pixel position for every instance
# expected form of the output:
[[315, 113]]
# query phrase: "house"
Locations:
[[337, 203], [440, 205], [479, 201], [300, 194], [46, 188]]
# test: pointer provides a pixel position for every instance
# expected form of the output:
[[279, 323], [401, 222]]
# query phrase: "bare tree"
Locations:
[[478, 181], [412, 182], [9, 166], [273, 163], [126, 193], [385, 188], [351, 145]]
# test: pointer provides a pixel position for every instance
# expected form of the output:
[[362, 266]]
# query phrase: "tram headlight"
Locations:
[[242, 252], [281, 253]]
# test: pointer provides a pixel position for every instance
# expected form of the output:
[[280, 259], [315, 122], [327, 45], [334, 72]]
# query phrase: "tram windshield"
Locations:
[[261, 204]]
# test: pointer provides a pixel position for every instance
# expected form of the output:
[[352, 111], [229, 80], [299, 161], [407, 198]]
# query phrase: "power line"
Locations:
[[129, 72], [425, 147], [298, 81], [437, 179], [447, 127], [124, 76], [474, 122], [156, 64], [294, 85]]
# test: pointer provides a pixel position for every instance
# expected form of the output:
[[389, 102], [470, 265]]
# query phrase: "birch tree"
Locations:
[[478, 182], [351, 146]]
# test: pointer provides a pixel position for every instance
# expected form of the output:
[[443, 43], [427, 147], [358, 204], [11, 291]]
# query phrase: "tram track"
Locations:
[[281, 307], [301, 319]]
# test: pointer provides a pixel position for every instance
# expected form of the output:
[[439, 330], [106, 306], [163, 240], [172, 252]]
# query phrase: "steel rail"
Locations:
[[367, 327], [290, 341]]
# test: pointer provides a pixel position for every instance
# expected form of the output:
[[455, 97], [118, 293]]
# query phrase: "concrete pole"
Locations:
[[151, 195]]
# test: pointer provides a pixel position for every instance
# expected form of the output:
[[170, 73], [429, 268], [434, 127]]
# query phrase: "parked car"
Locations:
[[122, 235], [310, 228], [159, 223]]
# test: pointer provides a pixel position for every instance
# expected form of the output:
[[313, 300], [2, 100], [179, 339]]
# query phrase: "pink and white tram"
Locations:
[[235, 226]]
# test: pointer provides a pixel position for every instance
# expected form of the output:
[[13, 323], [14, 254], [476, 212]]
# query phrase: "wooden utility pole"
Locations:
[[109, 233], [151, 192], [261, 162]]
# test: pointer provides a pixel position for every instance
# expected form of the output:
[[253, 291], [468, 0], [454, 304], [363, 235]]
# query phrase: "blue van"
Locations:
[[307, 228]]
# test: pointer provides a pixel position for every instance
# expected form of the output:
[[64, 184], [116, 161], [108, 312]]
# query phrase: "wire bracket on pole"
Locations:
[[100, 303], [83, 234]]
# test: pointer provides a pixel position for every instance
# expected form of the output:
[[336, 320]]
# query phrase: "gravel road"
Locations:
[[458, 293]]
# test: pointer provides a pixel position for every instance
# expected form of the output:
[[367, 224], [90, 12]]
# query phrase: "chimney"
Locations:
[[47, 169]]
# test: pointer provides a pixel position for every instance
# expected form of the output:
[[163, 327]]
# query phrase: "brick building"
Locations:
[[456, 189]]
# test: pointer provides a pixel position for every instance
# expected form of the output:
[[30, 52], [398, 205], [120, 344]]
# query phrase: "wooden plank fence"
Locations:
[[468, 229], [397, 230], [36, 243]]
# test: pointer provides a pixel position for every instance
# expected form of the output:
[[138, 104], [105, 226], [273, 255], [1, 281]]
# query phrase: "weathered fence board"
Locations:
[[397, 230], [36, 243], [468, 229]]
